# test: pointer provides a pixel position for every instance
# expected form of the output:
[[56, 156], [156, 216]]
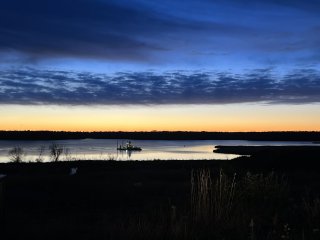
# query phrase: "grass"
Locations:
[[311, 217], [236, 207], [253, 206], [190, 200], [212, 199]]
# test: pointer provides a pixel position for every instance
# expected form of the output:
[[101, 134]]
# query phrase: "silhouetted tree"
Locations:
[[55, 151], [16, 154]]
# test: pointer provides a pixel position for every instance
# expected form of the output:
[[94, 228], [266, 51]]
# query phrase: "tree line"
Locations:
[[164, 135]]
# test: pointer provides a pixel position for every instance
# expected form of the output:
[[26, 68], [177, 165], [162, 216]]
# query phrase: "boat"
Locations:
[[128, 147]]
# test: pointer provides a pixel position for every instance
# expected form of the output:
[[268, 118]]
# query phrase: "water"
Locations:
[[105, 149]]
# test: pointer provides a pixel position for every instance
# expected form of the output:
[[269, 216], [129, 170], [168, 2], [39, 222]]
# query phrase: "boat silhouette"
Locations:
[[128, 147]]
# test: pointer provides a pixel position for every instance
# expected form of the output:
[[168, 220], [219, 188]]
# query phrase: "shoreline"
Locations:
[[47, 201], [255, 155]]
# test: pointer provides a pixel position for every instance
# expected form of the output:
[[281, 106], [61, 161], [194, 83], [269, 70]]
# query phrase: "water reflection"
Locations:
[[106, 149], [124, 155]]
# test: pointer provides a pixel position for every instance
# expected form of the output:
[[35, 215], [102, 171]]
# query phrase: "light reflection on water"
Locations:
[[105, 149]]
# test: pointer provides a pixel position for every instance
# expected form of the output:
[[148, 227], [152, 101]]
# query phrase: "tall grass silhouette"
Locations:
[[221, 206], [212, 199]]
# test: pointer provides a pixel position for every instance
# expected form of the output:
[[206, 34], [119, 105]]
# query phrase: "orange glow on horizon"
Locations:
[[226, 118]]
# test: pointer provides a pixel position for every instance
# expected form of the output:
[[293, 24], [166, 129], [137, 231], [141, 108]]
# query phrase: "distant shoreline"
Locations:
[[313, 136]]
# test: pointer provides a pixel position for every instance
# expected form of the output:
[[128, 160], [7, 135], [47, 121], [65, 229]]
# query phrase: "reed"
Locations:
[[41, 154], [239, 206], [311, 217], [212, 199]]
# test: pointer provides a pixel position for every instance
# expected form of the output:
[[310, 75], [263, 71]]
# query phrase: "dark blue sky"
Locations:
[[159, 52]]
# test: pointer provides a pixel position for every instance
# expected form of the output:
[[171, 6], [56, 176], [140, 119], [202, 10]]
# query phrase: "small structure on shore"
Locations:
[[128, 147]]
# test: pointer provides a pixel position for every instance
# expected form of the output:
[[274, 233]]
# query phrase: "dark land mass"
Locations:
[[275, 157], [162, 135], [157, 200]]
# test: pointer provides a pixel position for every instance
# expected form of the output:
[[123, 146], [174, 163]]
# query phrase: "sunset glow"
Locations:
[[144, 65], [233, 117]]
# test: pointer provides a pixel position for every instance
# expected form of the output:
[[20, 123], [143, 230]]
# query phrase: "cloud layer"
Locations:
[[143, 31], [143, 34], [34, 87], [89, 29], [94, 29]]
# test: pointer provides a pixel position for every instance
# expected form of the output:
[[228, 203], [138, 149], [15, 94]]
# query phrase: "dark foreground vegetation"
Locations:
[[163, 135], [274, 194]]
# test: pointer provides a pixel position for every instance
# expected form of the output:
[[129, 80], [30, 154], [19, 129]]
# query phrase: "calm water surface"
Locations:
[[105, 149]]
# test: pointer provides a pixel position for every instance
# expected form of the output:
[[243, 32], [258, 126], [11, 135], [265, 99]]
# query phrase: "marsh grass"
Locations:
[[1, 202], [211, 204], [234, 206], [41, 154], [221, 206], [68, 155], [212, 199], [311, 217]]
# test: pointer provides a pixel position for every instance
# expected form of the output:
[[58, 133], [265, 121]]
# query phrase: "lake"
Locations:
[[105, 149]]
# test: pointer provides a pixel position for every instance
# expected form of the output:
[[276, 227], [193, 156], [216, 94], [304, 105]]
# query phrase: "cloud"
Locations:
[[34, 87], [309, 5], [89, 29], [95, 29]]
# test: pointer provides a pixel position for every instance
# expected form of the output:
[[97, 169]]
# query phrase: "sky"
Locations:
[[143, 65]]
